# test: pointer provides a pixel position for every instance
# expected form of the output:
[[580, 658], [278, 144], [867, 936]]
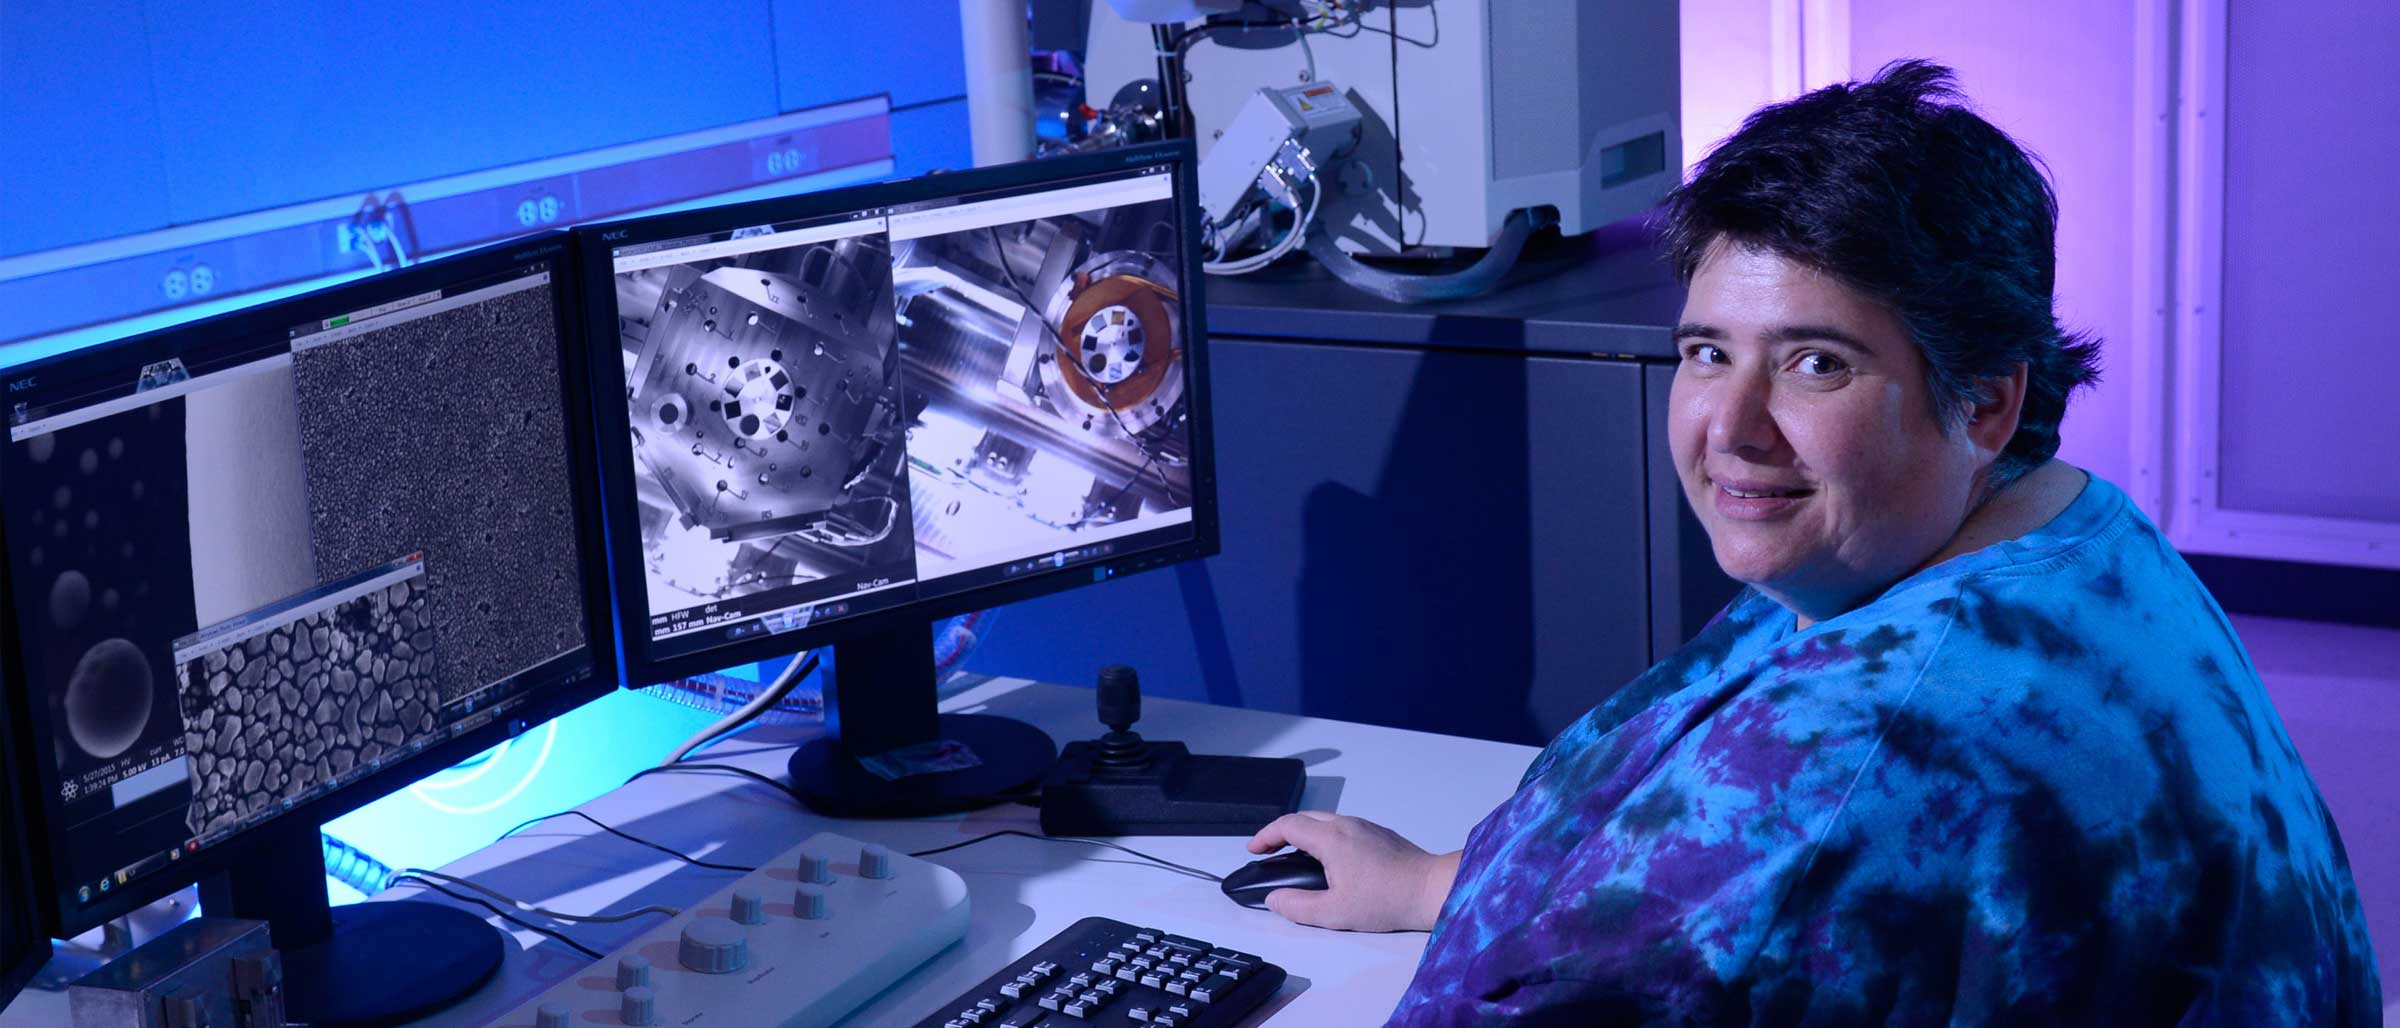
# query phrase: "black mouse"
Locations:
[[1250, 885]]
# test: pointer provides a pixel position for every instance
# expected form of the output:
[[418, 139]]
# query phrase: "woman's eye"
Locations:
[[1820, 364]]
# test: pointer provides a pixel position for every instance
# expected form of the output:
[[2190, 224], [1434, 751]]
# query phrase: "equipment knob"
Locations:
[[1120, 697], [875, 862], [632, 971], [639, 1006], [713, 945], [749, 907], [810, 902], [554, 1015], [815, 868]]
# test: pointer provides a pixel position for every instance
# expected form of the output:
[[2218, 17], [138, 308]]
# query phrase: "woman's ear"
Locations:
[[1992, 421]]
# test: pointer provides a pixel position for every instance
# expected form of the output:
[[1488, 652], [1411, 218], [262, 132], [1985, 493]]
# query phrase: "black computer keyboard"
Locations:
[[1109, 973]]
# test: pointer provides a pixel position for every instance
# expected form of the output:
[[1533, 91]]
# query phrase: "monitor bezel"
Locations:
[[642, 666], [63, 918]]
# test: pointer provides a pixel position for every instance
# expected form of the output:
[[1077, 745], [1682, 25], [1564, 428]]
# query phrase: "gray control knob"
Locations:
[[713, 945], [553, 1015], [815, 868], [632, 971], [639, 1006], [809, 902], [875, 861], [749, 907]]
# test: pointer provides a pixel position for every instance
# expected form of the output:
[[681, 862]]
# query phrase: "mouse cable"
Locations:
[[502, 914], [1169, 864], [630, 837], [528, 908], [742, 771]]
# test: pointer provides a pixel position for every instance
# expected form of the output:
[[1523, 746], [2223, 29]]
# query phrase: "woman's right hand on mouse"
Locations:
[[1375, 881]]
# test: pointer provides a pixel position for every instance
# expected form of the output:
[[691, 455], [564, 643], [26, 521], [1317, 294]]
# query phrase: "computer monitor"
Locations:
[[263, 569], [847, 414]]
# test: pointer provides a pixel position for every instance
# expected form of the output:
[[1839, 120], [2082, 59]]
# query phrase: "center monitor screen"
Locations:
[[849, 413]]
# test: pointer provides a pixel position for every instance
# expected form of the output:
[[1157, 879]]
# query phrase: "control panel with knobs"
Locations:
[[800, 942]]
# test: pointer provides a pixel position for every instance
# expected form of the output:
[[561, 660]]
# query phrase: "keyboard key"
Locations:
[[1045, 969], [1166, 1021], [1180, 1010], [1126, 973], [1080, 980], [1144, 963], [1186, 942], [1026, 1018], [1105, 966], [1205, 966], [1152, 979], [1147, 935], [1077, 1009], [1013, 990], [1107, 988], [1191, 976], [988, 1005], [1138, 1013], [1178, 987], [1052, 1001]]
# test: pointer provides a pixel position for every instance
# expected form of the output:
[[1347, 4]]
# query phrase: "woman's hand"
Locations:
[[1375, 880]]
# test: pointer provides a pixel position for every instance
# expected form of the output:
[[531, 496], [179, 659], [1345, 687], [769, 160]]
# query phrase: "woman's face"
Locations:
[[1805, 436]]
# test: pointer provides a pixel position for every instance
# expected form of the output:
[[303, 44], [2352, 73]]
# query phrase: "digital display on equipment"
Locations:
[[261, 567], [848, 413]]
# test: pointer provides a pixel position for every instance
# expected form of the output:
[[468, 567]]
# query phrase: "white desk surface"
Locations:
[[1430, 788]]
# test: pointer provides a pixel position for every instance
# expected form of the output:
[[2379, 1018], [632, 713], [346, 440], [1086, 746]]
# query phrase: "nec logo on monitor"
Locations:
[[616, 235], [21, 384]]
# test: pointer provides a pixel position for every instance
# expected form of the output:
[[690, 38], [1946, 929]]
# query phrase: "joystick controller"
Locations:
[[1123, 784]]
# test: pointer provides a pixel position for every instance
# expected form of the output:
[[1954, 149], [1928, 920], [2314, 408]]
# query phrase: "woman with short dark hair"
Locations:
[[1973, 747]]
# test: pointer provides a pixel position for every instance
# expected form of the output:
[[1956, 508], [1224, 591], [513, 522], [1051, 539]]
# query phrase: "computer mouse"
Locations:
[[1250, 884]]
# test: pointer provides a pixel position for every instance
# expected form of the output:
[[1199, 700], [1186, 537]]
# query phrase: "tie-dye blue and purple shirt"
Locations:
[[2036, 784]]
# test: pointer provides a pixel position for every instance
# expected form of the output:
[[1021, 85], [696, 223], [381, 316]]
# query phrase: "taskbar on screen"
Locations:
[[465, 716], [773, 612]]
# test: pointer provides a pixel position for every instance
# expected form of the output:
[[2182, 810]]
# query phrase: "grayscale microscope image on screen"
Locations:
[[764, 402], [1045, 369]]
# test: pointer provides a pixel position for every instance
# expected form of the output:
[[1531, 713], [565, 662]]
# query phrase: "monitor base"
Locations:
[[387, 963], [1011, 756]]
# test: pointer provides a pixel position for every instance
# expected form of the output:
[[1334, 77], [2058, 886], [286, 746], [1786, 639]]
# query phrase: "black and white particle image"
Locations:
[[271, 717], [447, 435], [101, 569], [1045, 368], [763, 394]]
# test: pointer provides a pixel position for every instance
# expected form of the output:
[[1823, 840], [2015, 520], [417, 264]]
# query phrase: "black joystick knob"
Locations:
[[1120, 706]]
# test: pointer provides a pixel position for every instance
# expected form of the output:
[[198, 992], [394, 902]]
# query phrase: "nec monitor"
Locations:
[[265, 568], [837, 417]]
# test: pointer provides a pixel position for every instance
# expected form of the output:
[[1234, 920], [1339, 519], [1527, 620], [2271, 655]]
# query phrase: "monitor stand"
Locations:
[[375, 963], [888, 752]]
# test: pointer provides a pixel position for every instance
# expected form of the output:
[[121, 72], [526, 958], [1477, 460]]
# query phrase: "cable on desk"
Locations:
[[1169, 864], [629, 837], [742, 771], [431, 876], [502, 914]]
